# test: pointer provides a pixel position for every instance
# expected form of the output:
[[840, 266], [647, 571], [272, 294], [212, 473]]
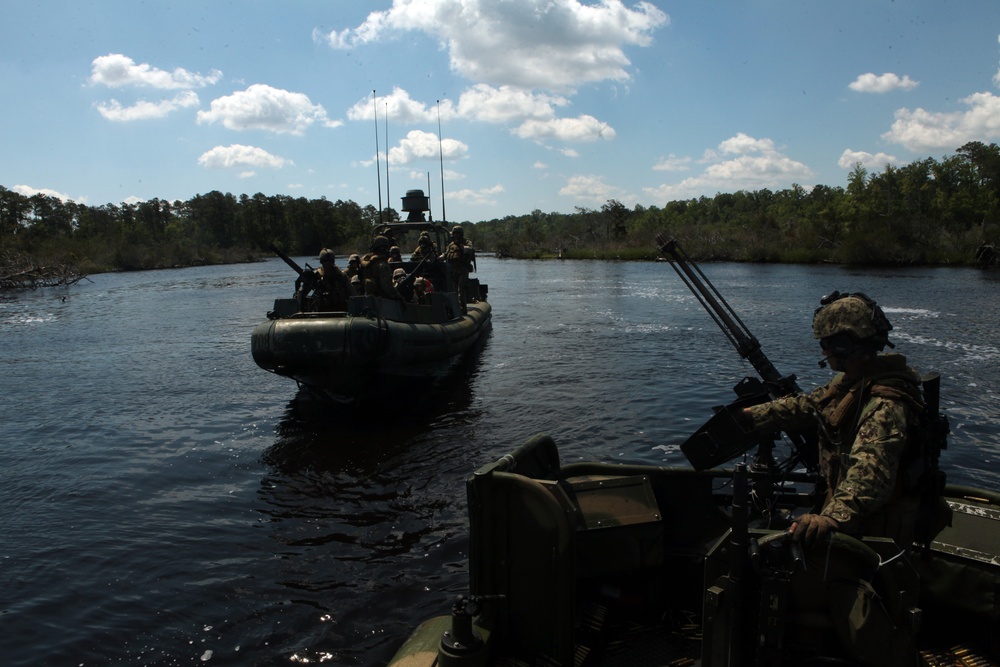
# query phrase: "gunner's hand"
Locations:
[[811, 528]]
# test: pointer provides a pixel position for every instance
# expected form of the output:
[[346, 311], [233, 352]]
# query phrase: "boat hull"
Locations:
[[349, 355], [647, 565]]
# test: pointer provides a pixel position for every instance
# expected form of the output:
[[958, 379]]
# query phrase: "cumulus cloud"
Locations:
[[876, 162], [672, 163], [114, 111], [506, 104], [261, 107], [480, 197], [883, 83], [741, 162], [400, 108], [582, 128], [545, 44], [28, 191], [419, 145], [921, 130], [590, 189], [116, 71], [240, 156]]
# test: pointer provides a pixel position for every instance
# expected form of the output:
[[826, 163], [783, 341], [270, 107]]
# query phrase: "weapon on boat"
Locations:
[[724, 437], [288, 260], [307, 276]]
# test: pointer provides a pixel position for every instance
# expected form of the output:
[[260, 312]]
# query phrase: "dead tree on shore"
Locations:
[[21, 272]]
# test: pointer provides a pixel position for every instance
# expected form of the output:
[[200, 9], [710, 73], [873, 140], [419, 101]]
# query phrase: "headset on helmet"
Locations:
[[851, 324]]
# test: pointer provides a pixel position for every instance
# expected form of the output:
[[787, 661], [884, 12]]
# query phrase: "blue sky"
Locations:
[[543, 104]]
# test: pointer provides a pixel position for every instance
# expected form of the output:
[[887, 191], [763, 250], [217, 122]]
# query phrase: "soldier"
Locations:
[[376, 271], [864, 415], [426, 248], [325, 289], [403, 286], [353, 266], [395, 256], [461, 261]]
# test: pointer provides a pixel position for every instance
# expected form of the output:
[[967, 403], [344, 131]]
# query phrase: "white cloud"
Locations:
[[582, 128], [672, 163], [28, 191], [419, 145], [261, 107], [400, 109], [876, 162], [590, 189], [546, 44], [116, 70], [741, 162], [481, 197], [883, 83], [237, 155], [506, 104], [144, 110], [920, 130]]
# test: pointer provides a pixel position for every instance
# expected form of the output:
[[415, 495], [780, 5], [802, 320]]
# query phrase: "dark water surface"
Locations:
[[168, 503]]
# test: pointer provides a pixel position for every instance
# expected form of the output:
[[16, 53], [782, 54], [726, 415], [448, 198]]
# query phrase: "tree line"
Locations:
[[927, 212]]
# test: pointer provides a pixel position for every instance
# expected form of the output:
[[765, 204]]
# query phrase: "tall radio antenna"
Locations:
[[378, 167], [444, 215], [430, 215], [388, 199]]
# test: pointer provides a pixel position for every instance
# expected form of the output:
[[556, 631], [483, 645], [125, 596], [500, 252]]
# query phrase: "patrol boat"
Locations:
[[377, 343], [611, 564], [593, 563]]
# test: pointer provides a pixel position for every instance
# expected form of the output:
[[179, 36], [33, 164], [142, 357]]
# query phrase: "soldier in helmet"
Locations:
[[461, 261], [325, 289], [377, 273], [426, 248], [864, 415], [353, 266]]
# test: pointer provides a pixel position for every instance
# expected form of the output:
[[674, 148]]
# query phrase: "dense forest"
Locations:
[[927, 212]]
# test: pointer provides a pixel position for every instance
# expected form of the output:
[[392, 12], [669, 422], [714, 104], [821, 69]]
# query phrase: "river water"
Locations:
[[166, 502]]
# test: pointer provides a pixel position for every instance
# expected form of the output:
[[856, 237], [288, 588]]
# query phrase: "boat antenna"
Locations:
[[388, 199], [378, 167], [444, 215], [430, 215]]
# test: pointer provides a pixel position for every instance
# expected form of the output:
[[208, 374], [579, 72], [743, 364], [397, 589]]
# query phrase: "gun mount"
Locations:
[[724, 436]]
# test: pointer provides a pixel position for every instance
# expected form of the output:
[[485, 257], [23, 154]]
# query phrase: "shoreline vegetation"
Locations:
[[929, 212]]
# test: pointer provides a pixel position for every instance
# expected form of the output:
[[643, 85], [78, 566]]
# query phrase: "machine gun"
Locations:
[[307, 277], [725, 436]]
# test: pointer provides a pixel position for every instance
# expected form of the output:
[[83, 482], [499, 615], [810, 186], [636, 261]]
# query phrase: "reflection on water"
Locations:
[[174, 504]]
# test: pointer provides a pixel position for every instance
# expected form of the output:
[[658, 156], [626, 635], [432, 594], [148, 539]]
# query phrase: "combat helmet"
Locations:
[[853, 322], [380, 244], [457, 231], [326, 255]]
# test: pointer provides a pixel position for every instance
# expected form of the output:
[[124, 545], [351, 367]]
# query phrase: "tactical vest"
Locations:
[[916, 511]]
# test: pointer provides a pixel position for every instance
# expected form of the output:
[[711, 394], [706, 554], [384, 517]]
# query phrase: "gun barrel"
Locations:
[[288, 260], [719, 309]]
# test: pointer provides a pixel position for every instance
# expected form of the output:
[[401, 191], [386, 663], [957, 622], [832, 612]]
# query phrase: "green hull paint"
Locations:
[[599, 564]]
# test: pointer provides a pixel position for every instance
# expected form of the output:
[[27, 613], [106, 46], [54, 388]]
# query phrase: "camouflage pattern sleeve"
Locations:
[[787, 412], [872, 466]]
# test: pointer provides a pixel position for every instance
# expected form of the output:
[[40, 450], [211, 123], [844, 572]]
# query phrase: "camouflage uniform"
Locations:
[[863, 439], [377, 273], [426, 248], [460, 256], [333, 290]]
